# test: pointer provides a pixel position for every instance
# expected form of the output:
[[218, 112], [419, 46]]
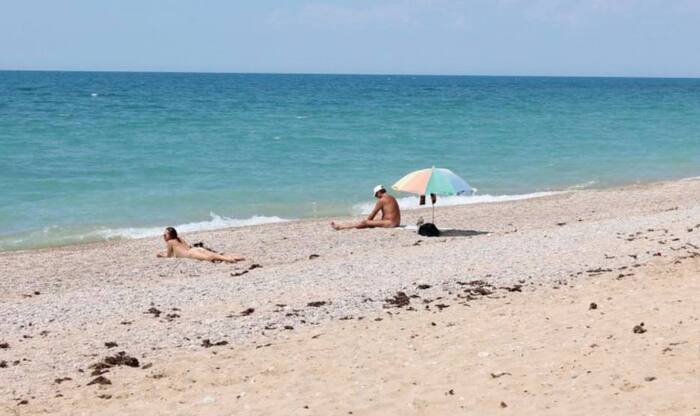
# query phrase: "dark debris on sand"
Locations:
[[514, 288], [241, 273], [477, 288], [208, 344], [171, 317], [120, 359], [399, 300], [316, 304], [99, 369], [639, 329], [101, 380], [4, 345], [155, 312], [597, 271], [111, 344]]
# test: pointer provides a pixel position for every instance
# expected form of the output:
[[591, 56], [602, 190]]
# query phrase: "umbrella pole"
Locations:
[[433, 212]]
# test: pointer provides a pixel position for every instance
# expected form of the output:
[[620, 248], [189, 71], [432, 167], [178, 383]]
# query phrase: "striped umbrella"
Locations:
[[434, 181]]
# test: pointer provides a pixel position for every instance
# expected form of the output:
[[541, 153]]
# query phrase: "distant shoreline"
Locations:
[[258, 221], [156, 231]]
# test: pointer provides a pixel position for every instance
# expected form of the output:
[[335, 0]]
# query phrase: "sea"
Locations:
[[91, 156]]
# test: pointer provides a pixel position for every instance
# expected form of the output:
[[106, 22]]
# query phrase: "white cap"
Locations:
[[377, 189]]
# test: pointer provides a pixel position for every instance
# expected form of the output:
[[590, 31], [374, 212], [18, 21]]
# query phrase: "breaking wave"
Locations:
[[52, 236], [412, 202]]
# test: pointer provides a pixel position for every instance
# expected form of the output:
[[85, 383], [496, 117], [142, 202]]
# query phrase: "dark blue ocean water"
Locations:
[[86, 156]]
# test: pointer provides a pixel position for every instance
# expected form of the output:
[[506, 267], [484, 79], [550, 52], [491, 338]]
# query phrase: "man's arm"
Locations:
[[375, 211]]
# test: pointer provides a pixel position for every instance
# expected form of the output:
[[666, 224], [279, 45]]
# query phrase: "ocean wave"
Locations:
[[216, 222], [580, 186], [412, 202], [54, 235]]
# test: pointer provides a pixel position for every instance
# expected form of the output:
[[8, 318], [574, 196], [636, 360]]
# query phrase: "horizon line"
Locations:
[[135, 71]]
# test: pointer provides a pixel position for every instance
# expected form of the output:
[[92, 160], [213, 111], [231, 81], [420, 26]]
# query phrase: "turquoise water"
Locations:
[[88, 156]]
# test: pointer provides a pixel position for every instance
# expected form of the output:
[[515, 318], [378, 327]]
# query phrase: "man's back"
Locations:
[[389, 207], [391, 210]]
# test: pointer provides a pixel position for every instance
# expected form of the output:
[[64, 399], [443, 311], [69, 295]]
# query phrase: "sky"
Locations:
[[452, 37]]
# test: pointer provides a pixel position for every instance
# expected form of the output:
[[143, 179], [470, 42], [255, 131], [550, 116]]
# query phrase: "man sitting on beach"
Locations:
[[391, 214]]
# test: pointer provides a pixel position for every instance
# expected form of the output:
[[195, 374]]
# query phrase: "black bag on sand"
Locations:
[[428, 230]]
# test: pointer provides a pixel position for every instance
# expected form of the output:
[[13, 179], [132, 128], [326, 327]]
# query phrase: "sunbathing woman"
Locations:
[[178, 247]]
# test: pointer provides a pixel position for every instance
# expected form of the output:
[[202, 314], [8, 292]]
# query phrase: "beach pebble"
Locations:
[[207, 400]]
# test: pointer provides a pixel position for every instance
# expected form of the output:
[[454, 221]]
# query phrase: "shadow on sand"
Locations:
[[461, 233]]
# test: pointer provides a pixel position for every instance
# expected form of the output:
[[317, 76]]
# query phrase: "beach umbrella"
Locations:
[[433, 182]]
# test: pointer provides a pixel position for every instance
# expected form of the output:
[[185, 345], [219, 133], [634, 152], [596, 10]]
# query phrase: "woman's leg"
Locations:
[[198, 253], [228, 259]]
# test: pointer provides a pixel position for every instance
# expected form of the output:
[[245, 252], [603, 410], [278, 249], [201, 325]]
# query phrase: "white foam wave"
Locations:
[[54, 235], [216, 222], [584, 185], [412, 202]]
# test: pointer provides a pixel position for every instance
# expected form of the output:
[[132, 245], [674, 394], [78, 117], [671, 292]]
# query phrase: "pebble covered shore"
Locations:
[[64, 310]]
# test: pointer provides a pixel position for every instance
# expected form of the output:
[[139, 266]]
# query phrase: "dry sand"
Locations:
[[506, 317]]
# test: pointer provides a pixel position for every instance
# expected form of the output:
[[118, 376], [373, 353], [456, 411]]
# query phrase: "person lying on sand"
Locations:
[[391, 214], [178, 247]]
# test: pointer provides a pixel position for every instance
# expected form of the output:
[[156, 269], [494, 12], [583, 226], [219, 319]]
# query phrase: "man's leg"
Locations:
[[376, 224], [339, 227], [363, 224], [348, 226]]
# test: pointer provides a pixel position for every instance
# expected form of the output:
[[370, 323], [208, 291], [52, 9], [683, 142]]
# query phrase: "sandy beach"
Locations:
[[577, 303]]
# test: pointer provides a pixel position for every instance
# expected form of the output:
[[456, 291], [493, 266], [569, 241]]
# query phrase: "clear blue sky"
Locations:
[[526, 37]]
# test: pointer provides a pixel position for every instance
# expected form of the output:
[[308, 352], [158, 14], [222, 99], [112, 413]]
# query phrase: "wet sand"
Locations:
[[373, 321]]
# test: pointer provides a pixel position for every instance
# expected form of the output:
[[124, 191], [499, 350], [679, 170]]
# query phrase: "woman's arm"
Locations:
[[168, 252]]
